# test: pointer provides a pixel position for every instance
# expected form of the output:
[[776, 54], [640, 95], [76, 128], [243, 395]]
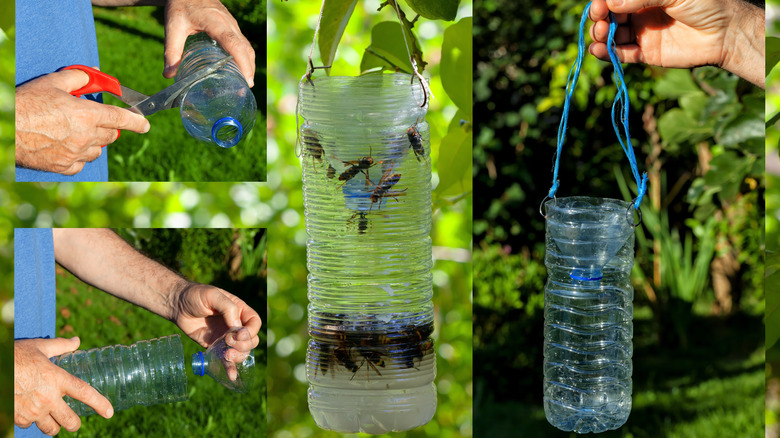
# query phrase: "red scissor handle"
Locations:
[[98, 81]]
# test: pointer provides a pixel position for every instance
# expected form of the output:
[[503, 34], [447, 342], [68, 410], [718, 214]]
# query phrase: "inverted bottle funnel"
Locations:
[[236, 375], [585, 233]]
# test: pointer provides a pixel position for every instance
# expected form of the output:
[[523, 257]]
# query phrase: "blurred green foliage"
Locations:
[[7, 62], [158, 155], [699, 266], [99, 319], [290, 33]]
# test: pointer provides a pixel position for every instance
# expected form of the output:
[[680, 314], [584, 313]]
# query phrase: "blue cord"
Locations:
[[620, 107]]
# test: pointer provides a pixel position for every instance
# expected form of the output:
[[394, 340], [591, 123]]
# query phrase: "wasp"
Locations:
[[373, 358], [382, 190], [312, 146], [331, 171], [415, 141], [362, 219]]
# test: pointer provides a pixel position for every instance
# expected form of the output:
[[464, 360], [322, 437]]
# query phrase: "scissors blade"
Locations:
[[131, 97], [169, 97]]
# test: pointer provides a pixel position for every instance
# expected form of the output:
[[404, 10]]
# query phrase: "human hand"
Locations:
[[206, 312], [188, 17], [57, 132], [39, 386]]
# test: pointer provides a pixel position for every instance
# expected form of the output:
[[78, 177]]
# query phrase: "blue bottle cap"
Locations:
[[198, 367], [228, 127]]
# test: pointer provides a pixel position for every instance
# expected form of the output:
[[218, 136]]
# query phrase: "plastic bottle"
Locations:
[[367, 195], [221, 107], [588, 313], [236, 376], [145, 373]]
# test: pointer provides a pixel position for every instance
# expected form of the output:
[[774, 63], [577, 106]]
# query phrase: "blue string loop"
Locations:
[[620, 107]]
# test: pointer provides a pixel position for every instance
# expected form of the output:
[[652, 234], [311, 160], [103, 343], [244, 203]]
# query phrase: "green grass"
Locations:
[[130, 42], [99, 319]]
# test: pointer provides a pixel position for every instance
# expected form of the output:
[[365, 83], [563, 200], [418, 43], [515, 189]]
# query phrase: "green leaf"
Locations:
[[675, 84], [675, 126], [772, 53], [772, 279], [741, 129], [335, 16], [455, 158], [387, 49], [456, 64], [435, 9]]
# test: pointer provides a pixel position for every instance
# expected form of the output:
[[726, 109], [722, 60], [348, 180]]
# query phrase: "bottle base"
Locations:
[[372, 411], [571, 418]]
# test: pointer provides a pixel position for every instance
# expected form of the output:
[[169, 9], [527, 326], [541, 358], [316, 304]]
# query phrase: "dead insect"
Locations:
[[312, 146], [362, 221], [361, 165], [373, 358], [331, 171], [382, 190], [415, 141]]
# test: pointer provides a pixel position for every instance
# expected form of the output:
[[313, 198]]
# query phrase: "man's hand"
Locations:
[[188, 17], [57, 132], [206, 312], [683, 34], [39, 386]]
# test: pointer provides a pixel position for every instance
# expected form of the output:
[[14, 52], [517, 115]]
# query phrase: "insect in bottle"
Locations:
[[362, 221], [373, 358], [415, 141], [382, 190], [312, 146]]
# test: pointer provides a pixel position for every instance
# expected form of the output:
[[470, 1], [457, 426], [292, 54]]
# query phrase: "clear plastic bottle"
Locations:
[[236, 376], [220, 108], [588, 313], [367, 195], [146, 373]]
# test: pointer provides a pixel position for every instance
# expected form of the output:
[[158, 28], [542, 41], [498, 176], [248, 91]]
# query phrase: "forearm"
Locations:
[[104, 260], [744, 48]]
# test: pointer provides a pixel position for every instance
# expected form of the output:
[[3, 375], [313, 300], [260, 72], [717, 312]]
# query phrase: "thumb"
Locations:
[[219, 303], [630, 6], [68, 80], [57, 346], [175, 38]]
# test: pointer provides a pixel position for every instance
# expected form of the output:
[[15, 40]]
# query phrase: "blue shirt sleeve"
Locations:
[[34, 292], [51, 35]]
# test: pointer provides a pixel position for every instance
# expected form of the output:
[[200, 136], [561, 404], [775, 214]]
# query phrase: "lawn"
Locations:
[[130, 42], [99, 319]]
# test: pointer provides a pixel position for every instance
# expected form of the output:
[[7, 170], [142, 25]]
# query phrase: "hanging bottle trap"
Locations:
[[365, 148], [589, 253]]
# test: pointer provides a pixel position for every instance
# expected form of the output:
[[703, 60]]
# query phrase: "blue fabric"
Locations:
[[34, 292], [51, 35]]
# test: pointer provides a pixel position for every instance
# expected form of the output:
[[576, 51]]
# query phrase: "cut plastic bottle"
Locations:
[[214, 362], [371, 362], [221, 107], [588, 313], [146, 373]]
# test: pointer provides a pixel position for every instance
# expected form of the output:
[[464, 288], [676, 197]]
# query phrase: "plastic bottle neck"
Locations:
[[198, 364], [227, 132]]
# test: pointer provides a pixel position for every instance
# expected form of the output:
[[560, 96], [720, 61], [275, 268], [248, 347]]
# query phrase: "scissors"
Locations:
[[169, 97]]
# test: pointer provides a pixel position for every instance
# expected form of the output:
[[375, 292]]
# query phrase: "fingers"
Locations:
[[217, 300], [65, 417], [599, 32], [58, 346], [231, 370], [629, 6], [598, 10], [242, 341], [48, 425], [80, 390], [243, 54], [626, 53], [68, 80], [174, 46], [113, 117]]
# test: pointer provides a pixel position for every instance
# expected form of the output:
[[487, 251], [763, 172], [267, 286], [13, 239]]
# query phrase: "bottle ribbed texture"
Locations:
[[220, 108], [146, 373], [588, 314], [367, 197]]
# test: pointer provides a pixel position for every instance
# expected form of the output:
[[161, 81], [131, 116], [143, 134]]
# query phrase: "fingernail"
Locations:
[[616, 3], [251, 83], [147, 127], [110, 412], [168, 69], [237, 323]]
